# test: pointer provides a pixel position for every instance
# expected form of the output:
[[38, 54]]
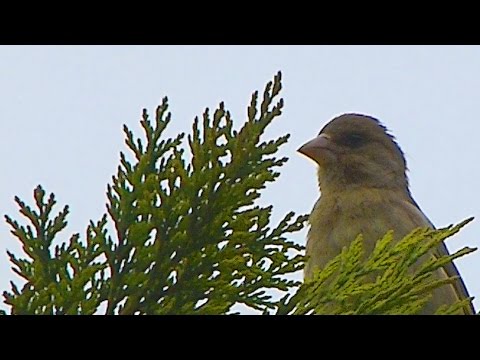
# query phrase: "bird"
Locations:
[[364, 189]]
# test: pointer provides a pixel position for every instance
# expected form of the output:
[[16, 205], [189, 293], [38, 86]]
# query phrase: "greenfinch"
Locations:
[[364, 190]]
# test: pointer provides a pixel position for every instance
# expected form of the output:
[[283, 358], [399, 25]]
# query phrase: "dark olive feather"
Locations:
[[352, 140]]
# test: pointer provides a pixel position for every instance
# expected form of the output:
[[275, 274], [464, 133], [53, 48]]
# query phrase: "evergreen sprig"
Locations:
[[188, 235], [396, 278], [190, 239], [61, 282]]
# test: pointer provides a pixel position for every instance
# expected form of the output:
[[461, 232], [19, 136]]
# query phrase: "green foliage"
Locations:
[[186, 237], [64, 283], [386, 282]]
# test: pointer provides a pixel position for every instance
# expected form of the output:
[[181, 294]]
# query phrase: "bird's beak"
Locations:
[[318, 148]]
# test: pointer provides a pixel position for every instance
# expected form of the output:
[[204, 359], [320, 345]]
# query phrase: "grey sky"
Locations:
[[62, 109]]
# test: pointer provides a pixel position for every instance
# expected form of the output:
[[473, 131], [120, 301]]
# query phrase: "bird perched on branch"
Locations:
[[364, 189]]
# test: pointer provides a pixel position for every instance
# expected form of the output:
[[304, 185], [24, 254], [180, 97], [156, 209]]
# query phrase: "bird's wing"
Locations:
[[449, 268], [452, 270]]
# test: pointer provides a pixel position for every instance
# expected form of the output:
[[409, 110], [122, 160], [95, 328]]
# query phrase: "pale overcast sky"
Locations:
[[62, 109]]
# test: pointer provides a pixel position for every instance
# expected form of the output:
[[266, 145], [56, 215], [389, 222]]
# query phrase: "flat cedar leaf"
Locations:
[[346, 285]]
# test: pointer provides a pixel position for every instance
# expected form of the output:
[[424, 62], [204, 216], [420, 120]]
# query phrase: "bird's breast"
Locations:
[[337, 220]]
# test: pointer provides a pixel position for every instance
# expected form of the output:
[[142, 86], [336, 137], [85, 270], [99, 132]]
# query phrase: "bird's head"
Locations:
[[356, 150]]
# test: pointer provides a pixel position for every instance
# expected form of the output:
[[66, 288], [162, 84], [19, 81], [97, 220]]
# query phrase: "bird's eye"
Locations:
[[352, 140]]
